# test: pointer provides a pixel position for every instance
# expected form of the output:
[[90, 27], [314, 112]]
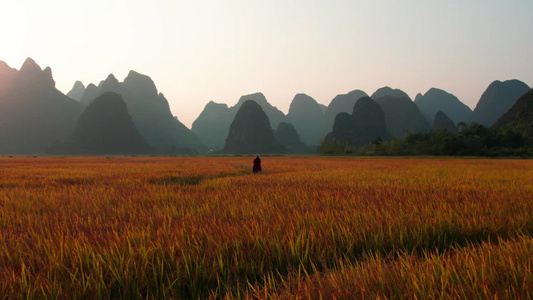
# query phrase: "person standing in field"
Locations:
[[257, 165]]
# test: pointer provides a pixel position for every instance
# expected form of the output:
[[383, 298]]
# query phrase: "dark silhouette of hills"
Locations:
[[364, 125], [274, 114], [251, 132], [111, 83], [435, 100], [77, 91], [402, 116], [91, 92], [442, 122], [33, 113], [105, 127], [287, 135], [519, 118], [307, 117], [212, 124], [8, 76], [387, 91], [497, 99], [342, 103], [218, 117], [150, 113]]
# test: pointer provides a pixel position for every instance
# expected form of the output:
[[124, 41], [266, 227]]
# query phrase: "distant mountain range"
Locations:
[[287, 135], [307, 117], [250, 132], [105, 127], [35, 116], [364, 125], [402, 116], [435, 100], [342, 103], [150, 113], [442, 122], [77, 91], [519, 118], [213, 124], [33, 113], [389, 92], [496, 100]]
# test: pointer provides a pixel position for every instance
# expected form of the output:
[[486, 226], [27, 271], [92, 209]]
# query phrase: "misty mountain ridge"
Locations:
[[364, 125], [497, 99], [104, 128], [7, 77], [519, 118], [212, 124], [402, 116], [275, 115], [150, 112], [250, 132], [33, 113], [287, 135], [388, 91], [307, 117], [77, 91], [214, 121], [442, 122], [91, 92], [435, 100], [342, 103]]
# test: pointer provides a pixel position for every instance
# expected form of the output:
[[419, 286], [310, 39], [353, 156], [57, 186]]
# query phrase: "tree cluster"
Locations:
[[472, 140]]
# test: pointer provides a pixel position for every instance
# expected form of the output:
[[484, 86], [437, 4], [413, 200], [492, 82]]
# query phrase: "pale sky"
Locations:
[[197, 51]]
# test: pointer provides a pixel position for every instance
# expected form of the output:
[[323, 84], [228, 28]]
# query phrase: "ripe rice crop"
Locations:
[[173, 227]]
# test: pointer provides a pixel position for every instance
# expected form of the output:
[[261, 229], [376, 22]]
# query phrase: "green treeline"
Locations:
[[472, 140]]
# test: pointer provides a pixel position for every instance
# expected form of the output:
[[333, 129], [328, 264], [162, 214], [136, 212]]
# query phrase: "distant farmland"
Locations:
[[160, 227]]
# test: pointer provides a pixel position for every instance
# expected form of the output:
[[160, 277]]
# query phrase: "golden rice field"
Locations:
[[309, 227]]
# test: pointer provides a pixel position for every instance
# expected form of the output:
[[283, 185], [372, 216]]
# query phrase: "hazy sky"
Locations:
[[196, 51]]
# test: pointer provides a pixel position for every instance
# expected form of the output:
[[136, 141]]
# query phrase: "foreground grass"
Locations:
[[490, 270], [201, 227]]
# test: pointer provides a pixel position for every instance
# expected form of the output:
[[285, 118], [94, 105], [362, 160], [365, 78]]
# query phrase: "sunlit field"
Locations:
[[311, 227]]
